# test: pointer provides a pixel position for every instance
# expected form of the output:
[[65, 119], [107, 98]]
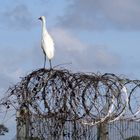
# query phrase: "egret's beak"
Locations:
[[39, 18]]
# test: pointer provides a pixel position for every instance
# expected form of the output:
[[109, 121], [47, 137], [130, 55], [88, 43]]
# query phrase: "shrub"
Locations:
[[133, 138]]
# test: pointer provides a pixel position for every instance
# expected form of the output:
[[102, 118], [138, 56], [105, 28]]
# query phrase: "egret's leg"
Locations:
[[50, 63], [44, 60]]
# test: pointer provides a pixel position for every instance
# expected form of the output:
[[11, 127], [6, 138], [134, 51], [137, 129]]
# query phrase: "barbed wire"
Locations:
[[77, 97]]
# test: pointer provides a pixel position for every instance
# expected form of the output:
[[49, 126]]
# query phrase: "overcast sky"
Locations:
[[93, 35]]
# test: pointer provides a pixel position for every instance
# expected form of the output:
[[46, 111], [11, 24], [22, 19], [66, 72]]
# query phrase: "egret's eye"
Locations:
[[39, 18]]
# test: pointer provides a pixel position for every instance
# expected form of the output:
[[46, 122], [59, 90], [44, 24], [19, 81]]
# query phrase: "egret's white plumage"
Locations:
[[47, 43]]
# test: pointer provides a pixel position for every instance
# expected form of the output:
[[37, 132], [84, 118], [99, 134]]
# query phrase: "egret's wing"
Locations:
[[48, 45]]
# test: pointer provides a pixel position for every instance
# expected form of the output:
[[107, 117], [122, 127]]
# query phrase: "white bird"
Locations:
[[47, 43]]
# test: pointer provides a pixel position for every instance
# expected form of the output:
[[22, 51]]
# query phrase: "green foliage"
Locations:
[[3, 129], [133, 138]]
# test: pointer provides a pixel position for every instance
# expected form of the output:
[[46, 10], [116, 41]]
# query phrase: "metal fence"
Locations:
[[120, 130], [51, 129]]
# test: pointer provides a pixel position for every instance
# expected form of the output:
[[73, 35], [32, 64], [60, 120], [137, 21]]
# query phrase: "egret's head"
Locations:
[[42, 18]]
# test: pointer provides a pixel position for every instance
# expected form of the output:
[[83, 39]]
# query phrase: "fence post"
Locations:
[[22, 116], [102, 131]]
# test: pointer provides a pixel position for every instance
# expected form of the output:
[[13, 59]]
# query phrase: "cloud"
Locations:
[[18, 17], [101, 15], [15, 62], [83, 56]]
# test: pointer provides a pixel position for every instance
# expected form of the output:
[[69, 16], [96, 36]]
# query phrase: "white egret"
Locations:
[[47, 43]]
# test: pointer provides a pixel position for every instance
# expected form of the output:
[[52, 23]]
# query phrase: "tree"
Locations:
[[3, 129], [133, 138]]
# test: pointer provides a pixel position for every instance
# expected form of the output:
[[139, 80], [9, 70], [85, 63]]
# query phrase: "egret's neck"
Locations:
[[44, 26]]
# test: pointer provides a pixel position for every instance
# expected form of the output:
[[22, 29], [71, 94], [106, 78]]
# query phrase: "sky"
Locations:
[[89, 35]]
